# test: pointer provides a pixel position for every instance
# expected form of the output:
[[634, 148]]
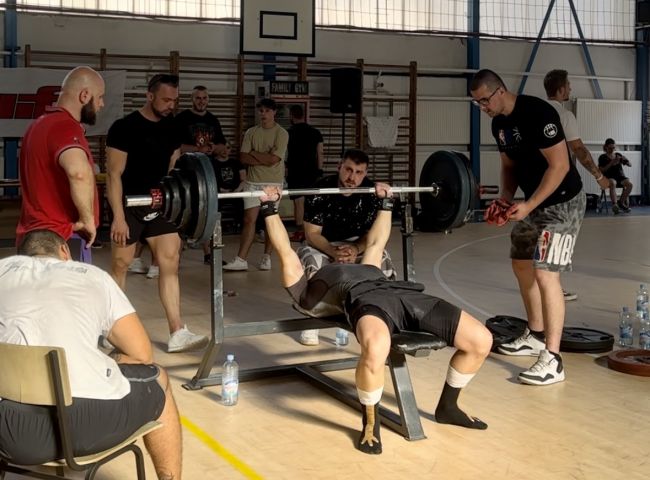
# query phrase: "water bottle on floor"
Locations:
[[642, 300], [230, 381], [341, 337], [625, 328], [644, 332]]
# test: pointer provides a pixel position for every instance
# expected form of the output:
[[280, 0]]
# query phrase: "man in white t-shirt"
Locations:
[[49, 300], [558, 88]]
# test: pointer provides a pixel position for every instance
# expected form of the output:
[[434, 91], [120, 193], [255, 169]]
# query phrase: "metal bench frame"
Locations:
[[406, 422]]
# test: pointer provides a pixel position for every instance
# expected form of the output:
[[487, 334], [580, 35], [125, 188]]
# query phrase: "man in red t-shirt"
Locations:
[[56, 166]]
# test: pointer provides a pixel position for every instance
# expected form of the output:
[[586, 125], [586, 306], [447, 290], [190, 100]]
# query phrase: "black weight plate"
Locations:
[[474, 193], [505, 329], [172, 198], [448, 209], [585, 340], [208, 199], [186, 199]]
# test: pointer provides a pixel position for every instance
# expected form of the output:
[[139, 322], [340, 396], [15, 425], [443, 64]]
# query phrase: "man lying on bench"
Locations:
[[375, 308]]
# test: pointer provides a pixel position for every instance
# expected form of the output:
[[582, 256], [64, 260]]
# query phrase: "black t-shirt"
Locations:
[[149, 147], [227, 173], [302, 155], [533, 125], [199, 130], [615, 171], [341, 216]]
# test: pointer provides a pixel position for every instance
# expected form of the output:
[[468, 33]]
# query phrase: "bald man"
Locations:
[[56, 166]]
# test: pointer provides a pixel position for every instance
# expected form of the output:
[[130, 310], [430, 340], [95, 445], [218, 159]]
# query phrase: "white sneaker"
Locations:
[[137, 266], [265, 263], [547, 370], [183, 340], [569, 296], [526, 345], [153, 272], [236, 265], [309, 337]]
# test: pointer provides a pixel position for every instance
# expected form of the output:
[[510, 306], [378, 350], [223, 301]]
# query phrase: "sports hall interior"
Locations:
[[416, 59]]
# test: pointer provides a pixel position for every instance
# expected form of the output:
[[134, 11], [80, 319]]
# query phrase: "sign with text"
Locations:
[[289, 88], [25, 92]]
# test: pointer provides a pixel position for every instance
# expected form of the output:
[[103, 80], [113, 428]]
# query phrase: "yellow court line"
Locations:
[[220, 450]]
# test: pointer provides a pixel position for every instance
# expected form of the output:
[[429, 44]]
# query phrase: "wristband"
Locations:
[[268, 208], [600, 178], [387, 204]]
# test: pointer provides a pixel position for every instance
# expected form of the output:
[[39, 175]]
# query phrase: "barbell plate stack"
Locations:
[[449, 209]]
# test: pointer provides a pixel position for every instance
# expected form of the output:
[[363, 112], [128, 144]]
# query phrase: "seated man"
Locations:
[[611, 164], [47, 299], [336, 225], [375, 308]]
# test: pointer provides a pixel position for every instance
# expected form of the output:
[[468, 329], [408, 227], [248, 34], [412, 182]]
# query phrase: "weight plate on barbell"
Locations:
[[448, 209], [199, 172], [634, 362]]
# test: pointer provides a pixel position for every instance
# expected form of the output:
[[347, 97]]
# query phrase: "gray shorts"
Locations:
[[252, 202], [547, 236]]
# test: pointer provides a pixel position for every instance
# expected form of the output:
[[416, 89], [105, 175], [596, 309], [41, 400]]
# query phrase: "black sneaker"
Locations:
[[623, 207]]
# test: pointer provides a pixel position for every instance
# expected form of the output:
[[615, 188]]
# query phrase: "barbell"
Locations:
[[188, 197]]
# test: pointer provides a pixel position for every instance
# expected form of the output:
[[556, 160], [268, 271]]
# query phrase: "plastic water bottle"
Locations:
[[642, 300], [625, 329], [230, 381], [644, 332], [341, 337]]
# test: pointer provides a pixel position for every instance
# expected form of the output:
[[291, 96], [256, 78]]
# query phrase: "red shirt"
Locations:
[[46, 202]]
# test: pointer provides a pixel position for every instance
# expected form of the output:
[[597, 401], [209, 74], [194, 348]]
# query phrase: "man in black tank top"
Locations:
[[375, 308], [535, 158]]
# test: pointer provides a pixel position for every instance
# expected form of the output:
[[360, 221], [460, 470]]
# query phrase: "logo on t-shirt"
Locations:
[[550, 130], [502, 137]]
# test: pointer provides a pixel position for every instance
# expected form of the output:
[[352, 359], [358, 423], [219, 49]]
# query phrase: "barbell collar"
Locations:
[[155, 198]]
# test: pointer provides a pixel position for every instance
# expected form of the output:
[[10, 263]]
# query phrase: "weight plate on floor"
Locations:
[[505, 329], [634, 362], [585, 340], [448, 209]]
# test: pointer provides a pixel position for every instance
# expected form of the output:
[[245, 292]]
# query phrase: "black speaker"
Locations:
[[643, 12], [346, 85]]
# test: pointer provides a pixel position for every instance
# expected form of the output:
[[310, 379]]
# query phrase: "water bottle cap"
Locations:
[[230, 357]]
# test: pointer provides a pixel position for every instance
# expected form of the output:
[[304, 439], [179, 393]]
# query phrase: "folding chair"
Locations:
[[39, 376]]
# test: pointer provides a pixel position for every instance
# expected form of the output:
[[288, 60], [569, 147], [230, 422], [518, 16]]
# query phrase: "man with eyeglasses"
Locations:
[[611, 164], [535, 158], [141, 149]]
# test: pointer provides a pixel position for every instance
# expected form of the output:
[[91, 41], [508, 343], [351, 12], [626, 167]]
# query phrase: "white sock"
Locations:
[[370, 398], [456, 379]]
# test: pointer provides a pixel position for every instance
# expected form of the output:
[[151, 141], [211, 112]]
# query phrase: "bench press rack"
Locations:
[[417, 344]]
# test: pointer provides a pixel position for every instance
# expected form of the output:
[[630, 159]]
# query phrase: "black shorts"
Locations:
[[145, 222], [407, 309], [27, 432], [619, 180], [301, 180]]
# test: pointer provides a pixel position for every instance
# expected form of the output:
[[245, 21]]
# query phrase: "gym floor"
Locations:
[[592, 426]]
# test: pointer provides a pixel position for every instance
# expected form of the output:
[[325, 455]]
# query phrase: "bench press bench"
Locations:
[[417, 344]]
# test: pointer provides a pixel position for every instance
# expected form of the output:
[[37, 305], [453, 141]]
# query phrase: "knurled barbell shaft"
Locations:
[[146, 200]]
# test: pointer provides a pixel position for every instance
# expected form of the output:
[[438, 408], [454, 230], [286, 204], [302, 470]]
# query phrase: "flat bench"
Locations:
[[415, 344]]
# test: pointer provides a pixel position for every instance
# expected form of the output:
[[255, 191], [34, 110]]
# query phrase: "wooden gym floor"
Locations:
[[592, 426]]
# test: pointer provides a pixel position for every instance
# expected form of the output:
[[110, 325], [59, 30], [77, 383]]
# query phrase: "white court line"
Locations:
[[447, 288]]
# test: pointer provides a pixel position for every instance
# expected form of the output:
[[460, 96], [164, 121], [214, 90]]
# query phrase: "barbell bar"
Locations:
[[188, 197], [152, 200]]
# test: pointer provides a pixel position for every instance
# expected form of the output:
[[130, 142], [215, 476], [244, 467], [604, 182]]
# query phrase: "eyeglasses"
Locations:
[[484, 102]]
